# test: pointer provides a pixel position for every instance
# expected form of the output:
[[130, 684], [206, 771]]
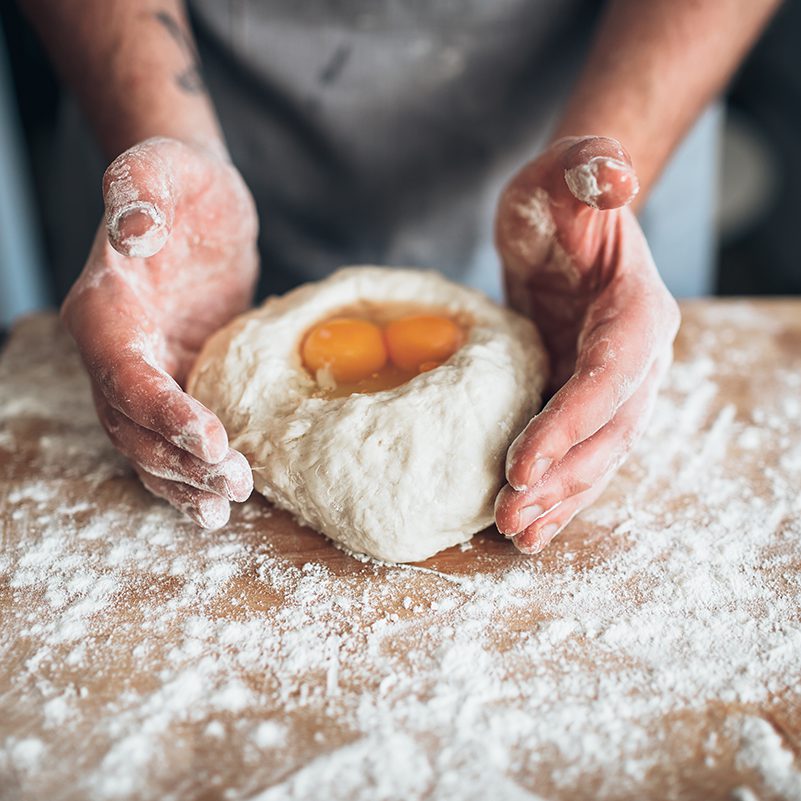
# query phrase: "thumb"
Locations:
[[598, 172], [140, 200]]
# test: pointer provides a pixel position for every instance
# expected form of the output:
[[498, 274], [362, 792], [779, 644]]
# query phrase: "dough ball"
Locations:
[[397, 474]]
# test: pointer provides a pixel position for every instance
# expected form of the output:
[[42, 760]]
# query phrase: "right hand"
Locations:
[[174, 259], [576, 261]]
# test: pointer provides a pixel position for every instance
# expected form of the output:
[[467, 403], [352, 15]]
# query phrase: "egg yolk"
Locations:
[[422, 342], [351, 354], [352, 349]]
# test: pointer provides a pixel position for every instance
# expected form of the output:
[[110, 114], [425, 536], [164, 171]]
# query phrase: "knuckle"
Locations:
[[572, 433], [118, 170], [104, 374], [572, 484], [112, 378], [569, 427]]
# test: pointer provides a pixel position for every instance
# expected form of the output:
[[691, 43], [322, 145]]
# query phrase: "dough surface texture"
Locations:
[[398, 474]]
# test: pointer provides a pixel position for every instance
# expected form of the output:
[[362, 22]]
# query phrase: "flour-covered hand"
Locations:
[[174, 259], [576, 261]]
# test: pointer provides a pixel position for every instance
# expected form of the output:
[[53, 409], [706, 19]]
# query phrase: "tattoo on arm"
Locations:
[[190, 80]]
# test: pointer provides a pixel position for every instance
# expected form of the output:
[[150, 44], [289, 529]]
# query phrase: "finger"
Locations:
[[232, 477], [539, 534], [586, 465], [154, 400], [139, 196], [123, 363], [124, 370], [598, 172], [625, 329], [206, 509]]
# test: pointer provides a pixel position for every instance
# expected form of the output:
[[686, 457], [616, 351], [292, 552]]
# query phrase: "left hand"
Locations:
[[174, 259], [576, 261]]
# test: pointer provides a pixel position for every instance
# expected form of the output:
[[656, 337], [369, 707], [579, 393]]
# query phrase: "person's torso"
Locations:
[[377, 131], [383, 130]]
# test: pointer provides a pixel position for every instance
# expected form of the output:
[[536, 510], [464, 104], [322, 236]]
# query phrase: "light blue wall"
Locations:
[[679, 216], [22, 284]]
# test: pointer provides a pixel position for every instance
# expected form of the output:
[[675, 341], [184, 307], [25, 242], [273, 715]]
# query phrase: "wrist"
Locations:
[[145, 102], [201, 134]]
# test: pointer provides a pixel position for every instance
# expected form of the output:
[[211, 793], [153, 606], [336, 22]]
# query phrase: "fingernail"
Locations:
[[528, 543], [527, 515], [547, 533], [538, 469], [138, 218], [140, 229]]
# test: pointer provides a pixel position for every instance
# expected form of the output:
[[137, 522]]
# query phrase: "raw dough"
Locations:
[[398, 474]]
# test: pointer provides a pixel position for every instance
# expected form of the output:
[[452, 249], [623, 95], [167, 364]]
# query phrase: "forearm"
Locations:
[[133, 67], [652, 69]]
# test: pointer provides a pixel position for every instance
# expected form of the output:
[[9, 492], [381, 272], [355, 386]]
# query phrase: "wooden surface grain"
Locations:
[[142, 658]]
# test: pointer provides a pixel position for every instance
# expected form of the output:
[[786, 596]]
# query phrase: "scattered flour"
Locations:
[[142, 658], [270, 734], [24, 755], [763, 750]]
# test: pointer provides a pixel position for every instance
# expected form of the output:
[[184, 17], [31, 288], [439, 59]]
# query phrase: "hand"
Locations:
[[576, 261], [174, 260]]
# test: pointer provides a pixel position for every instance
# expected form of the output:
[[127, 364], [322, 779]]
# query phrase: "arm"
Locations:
[[133, 67], [652, 69], [175, 255], [576, 260]]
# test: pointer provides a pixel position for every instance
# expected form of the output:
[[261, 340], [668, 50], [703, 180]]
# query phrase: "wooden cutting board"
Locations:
[[654, 651]]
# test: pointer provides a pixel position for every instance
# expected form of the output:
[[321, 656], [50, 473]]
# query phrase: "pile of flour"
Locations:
[[655, 646]]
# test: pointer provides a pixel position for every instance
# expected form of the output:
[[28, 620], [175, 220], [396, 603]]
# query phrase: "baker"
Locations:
[[384, 132]]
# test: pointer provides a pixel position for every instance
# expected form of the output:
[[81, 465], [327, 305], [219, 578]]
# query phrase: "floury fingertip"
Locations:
[[138, 230], [211, 513]]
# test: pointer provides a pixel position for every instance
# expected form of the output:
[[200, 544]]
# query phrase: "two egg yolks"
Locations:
[[354, 350]]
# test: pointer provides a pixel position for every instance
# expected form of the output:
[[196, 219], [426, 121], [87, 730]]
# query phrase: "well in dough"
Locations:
[[398, 474]]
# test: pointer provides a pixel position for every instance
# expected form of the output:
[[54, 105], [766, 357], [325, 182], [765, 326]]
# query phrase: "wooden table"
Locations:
[[653, 652]]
